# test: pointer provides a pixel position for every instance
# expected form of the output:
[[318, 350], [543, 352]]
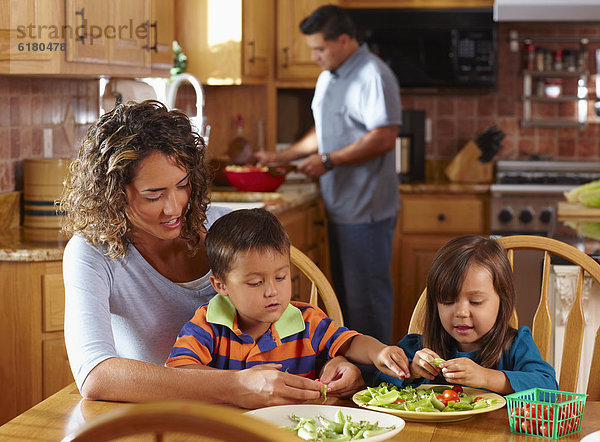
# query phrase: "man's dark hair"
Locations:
[[330, 20], [240, 231]]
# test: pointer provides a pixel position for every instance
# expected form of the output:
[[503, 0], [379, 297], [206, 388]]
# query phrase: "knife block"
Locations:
[[465, 167]]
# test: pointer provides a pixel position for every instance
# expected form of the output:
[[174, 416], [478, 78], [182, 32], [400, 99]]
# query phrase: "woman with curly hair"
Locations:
[[136, 269]]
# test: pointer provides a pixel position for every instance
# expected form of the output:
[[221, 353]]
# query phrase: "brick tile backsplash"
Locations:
[[30, 105]]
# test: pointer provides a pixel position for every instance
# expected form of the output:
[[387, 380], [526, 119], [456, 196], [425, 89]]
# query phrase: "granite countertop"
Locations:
[[27, 244]]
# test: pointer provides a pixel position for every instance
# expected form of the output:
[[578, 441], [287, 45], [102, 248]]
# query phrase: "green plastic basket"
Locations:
[[546, 413]]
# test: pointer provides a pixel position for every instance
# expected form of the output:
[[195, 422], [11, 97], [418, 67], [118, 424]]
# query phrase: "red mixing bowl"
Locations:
[[253, 179]]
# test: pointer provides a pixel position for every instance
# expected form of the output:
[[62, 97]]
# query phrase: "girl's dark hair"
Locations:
[[444, 282], [331, 20], [240, 231], [94, 197]]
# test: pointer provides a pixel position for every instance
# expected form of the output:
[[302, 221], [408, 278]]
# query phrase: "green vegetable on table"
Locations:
[[343, 428], [438, 399]]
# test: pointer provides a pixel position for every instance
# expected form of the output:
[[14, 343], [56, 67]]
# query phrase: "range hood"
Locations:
[[547, 10]]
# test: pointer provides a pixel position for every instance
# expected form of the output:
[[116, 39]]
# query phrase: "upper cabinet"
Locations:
[[226, 41], [293, 57], [425, 4], [163, 33], [86, 37]]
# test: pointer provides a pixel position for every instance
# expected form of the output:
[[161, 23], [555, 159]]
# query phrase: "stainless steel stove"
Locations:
[[526, 193]]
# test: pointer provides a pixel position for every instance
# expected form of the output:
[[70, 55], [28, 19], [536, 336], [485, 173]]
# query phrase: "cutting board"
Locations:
[[577, 212]]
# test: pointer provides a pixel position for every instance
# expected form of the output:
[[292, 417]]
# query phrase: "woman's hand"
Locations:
[[422, 364], [264, 385], [341, 377], [393, 361]]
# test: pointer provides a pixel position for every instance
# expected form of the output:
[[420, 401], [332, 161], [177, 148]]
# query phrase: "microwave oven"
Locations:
[[432, 48]]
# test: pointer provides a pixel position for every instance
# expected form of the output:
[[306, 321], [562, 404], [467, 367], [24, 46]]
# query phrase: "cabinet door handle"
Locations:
[[252, 45], [154, 47], [286, 57], [146, 24], [441, 217], [81, 38]]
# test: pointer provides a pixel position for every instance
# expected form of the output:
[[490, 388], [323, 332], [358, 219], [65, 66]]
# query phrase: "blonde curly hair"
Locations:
[[94, 198]]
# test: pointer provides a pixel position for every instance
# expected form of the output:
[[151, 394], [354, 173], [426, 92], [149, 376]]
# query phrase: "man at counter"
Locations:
[[357, 113]]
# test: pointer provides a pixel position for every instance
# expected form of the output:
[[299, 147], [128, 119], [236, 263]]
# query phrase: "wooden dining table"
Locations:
[[63, 412]]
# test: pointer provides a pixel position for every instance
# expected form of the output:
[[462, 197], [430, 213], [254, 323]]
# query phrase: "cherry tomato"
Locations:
[[478, 398], [441, 399], [517, 412], [526, 427], [450, 395], [546, 429], [457, 388], [398, 401]]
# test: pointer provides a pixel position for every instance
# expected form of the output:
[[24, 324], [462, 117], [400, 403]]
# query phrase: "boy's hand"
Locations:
[[393, 361], [342, 377], [422, 365]]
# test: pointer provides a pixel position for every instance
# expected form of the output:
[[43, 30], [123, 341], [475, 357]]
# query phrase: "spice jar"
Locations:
[[558, 61], [553, 87], [569, 60], [539, 59], [529, 62]]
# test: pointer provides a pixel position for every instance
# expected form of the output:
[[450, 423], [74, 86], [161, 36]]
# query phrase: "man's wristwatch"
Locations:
[[326, 161]]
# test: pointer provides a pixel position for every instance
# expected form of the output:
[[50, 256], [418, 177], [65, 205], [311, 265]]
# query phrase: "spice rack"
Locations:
[[544, 75]]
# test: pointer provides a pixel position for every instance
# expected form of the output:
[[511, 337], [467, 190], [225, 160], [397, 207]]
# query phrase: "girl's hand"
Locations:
[[464, 371], [393, 361], [422, 364]]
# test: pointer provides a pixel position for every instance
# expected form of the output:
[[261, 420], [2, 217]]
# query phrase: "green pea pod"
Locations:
[[375, 432], [331, 425], [439, 389], [437, 361], [460, 406], [436, 402], [480, 404], [384, 399], [305, 434], [430, 409], [339, 417]]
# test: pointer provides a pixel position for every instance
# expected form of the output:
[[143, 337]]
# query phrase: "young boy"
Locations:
[[251, 320]]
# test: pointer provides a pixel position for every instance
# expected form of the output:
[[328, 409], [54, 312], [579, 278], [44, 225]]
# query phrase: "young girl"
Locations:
[[470, 300]]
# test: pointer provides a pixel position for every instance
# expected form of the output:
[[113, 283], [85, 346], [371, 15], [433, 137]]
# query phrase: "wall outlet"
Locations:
[[48, 148]]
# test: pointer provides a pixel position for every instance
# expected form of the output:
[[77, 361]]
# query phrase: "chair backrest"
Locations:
[[217, 422], [542, 321], [320, 286]]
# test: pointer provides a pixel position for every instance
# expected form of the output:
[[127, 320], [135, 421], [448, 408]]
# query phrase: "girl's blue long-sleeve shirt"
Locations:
[[522, 363]]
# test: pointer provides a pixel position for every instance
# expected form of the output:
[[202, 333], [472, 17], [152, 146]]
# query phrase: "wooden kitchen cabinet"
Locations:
[[226, 42], [306, 226], [293, 57], [119, 37], [33, 363], [425, 223]]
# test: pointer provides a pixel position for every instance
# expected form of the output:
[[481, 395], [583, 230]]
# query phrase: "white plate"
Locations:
[[280, 416], [450, 416], [592, 437]]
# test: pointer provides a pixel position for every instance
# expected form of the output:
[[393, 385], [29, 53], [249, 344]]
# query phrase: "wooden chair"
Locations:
[[159, 419], [542, 321], [320, 286]]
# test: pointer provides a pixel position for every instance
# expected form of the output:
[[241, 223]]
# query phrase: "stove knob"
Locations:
[[505, 216], [546, 216], [526, 216]]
